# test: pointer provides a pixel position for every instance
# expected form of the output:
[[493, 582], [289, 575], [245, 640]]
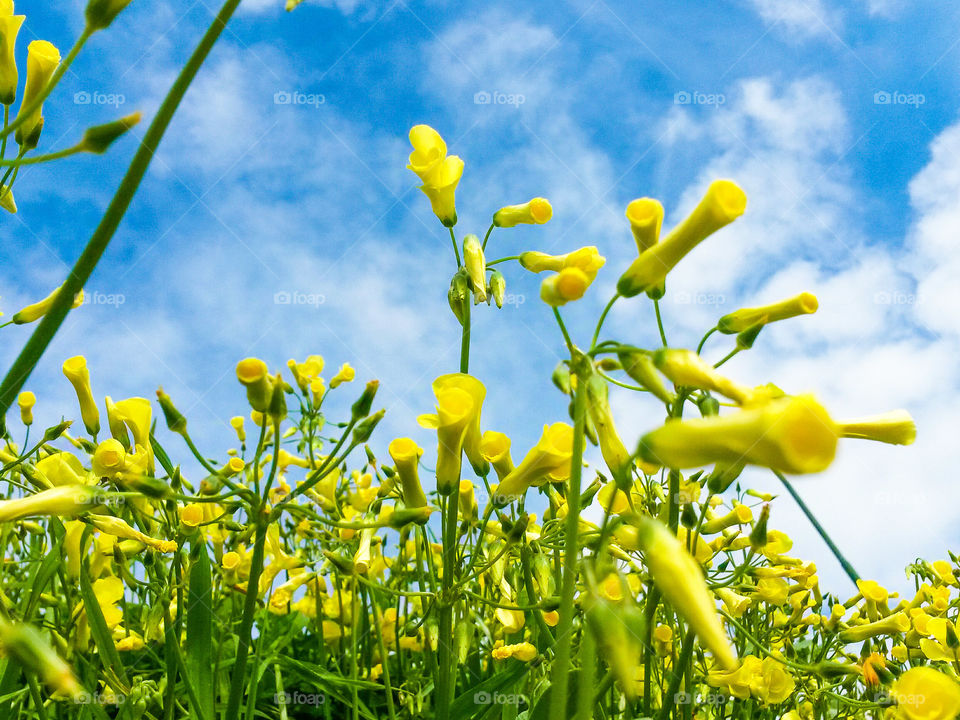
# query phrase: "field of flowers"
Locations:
[[320, 570]]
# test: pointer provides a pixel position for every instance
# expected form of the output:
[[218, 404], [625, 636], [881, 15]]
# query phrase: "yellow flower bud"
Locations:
[[39, 309], [549, 460], [533, 212], [567, 285], [923, 693], [9, 77], [803, 304], [440, 187], [345, 374], [735, 603], [43, 58], [75, 369], [495, 448], [236, 423], [792, 435], [895, 427], [685, 367], [467, 500], [26, 400], [476, 265], [646, 217], [586, 259], [406, 455], [119, 528], [6, 200], [894, 624], [66, 501], [612, 449], [723, 203], [429, 150], [254, 375], [740, 515]]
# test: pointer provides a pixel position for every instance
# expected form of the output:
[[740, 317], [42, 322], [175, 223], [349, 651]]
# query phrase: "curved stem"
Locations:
[[603, 316], [663, 335], [30, 354], [487, 236], [456, 250]]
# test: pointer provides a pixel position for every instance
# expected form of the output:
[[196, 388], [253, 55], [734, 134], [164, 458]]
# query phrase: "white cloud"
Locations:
[[807, 17]]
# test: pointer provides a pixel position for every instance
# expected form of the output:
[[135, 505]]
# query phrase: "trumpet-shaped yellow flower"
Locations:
[[406, 455], [43, 58], [254, 375], [440, 187], [793, 435], [895, 428], [9, 77], [495, 449], [533, 212], [923, 693], [477, 392], [766, 680], [75, 370], [739, 515], [549, 460], [803, 304], [723, 203], [119, 528], [586, 259], [685, 367], [345, 374], [646, 217], [38, 309], [109, 459], [25, 401], [890, 625], [135, 414], [429, 150], [566, 286], [62, 468], [455, 408], [680, 580], [66, 501]]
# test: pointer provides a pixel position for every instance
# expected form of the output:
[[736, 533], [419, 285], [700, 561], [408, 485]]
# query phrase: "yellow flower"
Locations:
[[109, 459], [65, 501], [255, 377], [477, 392], [890, 625], [119, 528], [43, 58], [429, 150], [923, 693], [191, 515], [495, 449], [775, 684], [6, 200], [75, 370], [38, 309], [803, 304], [612, 499], [586, 259], [685, 367], [455, 409], [9, 77], [567, 285], [740, 515], [548, 460], [792, 435], [533, 212], [475, 263], [614, 453], [772, 590], [679, 578], [440, 187], [646, 217], [26, 400], [345, 374], [406, 454], [524, 652], [62, 468], [739, 680], [723, 203], [735, 603], [895, 427], [135, 414]]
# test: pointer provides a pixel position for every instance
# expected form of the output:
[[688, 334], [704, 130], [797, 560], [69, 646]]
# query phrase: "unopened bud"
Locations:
[[363, 430], [99, 138], [361, 408], [498, 287], [175, 421]]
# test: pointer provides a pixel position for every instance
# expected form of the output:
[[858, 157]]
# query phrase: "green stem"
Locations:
[[465, 336], [663, 335], [679, 668], [571, 552], [844, 563], [49, 157], [456, 250], [487, 236], [30, 354], [703, 340], [603, 316]]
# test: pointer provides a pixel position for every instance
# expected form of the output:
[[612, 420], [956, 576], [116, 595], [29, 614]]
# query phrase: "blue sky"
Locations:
[[851, 197]]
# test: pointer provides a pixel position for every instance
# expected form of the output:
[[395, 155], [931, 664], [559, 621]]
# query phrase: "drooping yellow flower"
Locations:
[[614, 453], [429, 150], [119, 528], [646, 217], [38, 309], [406, 455], [43, 58], [75, 370], [440, 187], [680, 579], [803, 304], [533, 212], [66, 501], [895, 428], [723, 203], [792, 435], [254, 375], [345, 374], [548, 460], [9, 77], [565, 286], [495, 449], [735, 603], [890, 625], [587, 259], [923, 693], [62, 468], [26, 400]]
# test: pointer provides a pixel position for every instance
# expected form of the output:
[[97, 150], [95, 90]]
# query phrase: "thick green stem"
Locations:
[[670, 697], [571, 553], [30, 354]]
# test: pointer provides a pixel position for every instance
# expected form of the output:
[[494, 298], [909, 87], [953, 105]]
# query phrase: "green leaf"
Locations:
[[199, 660], [470, 703], [45, 570], [109, 657]]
